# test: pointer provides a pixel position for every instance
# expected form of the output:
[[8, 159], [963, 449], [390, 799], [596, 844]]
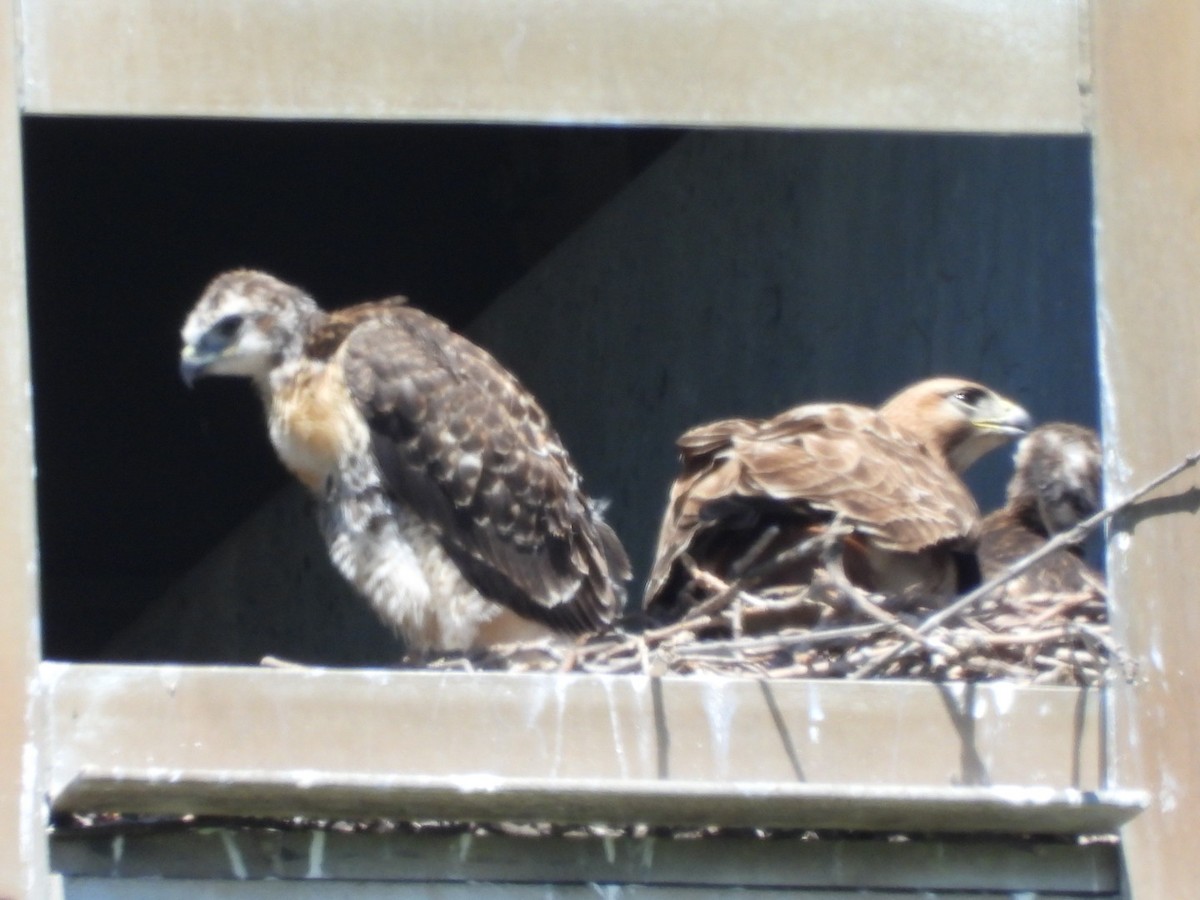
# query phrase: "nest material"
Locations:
[[1055, 639], [830, 629]]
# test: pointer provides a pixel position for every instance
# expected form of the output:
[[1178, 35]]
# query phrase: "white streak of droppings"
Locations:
[[647, 743], [816, 715], [815, 712], [535, 718], [237, 865], [614, 723], [118, 853], [979, 705], [535, 704], [276, 852], [610, 849], [1124, 541], [719, 707], [316, 856], [1156, 658], [1168, 793], [648, 852], [464, 846], [560, 697], [1004, 694]]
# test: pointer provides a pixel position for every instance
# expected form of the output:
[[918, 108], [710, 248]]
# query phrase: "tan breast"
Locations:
[[314, 424]]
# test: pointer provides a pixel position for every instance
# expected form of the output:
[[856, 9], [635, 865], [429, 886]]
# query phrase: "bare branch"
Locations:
[[1067, 538]]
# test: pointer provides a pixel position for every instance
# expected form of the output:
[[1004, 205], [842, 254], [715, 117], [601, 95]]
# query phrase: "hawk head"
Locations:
[[958, 419], [245, 324], [1058, 473]]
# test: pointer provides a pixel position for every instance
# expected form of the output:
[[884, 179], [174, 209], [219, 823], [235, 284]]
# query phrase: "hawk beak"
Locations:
[[191, 366], [1006, 418]]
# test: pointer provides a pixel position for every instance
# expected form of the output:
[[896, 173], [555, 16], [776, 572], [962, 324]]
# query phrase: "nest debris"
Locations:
[[734, 629], [1050, 639]]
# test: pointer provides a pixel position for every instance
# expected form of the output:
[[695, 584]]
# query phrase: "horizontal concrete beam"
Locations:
[[673, 751], [935, 65]]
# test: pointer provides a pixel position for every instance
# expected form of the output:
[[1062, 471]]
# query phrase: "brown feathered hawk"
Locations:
[[1055, 485], [444, 495], [888, 476]]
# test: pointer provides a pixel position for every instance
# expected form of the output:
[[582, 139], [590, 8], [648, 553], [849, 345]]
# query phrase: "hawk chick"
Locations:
[[889, 476], [445, 497], [1055, 485]]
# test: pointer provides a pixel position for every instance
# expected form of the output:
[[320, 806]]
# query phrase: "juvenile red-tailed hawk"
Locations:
[[889, 476], [444, 495], [1055, 485]]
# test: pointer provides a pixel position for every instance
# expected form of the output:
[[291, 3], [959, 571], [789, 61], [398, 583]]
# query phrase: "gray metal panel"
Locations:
[[179, 852]]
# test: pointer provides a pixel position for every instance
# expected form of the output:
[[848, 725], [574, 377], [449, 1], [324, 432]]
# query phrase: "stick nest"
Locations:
[[830, 629]]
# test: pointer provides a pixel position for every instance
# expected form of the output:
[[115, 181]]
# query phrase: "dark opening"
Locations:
[[772, 248], [128, 219]]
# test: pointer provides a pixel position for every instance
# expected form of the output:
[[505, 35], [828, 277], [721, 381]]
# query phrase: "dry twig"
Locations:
[[1071, 537]]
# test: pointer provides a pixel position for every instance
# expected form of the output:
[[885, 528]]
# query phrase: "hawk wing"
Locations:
[[461, 442], [849, 461], [817, 461]]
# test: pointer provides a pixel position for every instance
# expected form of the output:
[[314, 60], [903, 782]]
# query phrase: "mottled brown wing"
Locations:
[[328, 337], [459, 440], [848, 461], [707, 474], [818, 461]]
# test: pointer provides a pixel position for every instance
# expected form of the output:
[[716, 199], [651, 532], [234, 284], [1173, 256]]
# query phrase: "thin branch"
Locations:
[[810, 547], [782, 641], [1070, 537], [752, 555]]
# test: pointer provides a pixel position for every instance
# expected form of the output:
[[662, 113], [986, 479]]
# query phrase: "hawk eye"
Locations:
[[228, 326], [970, 396]]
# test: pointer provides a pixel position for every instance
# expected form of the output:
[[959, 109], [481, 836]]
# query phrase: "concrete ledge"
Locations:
[[677, 751]]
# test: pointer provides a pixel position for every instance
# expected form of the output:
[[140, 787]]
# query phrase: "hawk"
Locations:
[[444, 495], [1055, 485], [889, 477]]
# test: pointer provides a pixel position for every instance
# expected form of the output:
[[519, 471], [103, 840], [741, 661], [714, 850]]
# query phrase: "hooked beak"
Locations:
[[191, 365], [993, 424], [1007, 419]]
